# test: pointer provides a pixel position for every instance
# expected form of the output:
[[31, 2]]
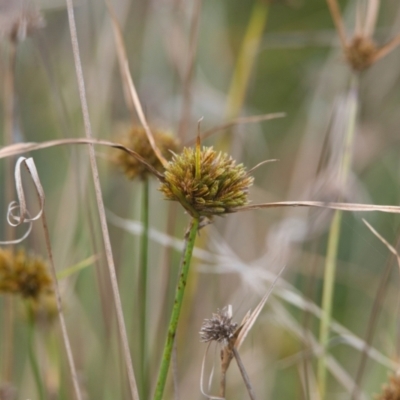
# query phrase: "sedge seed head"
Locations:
[[220, 327], [360, 52], [136, 139], [391, 390], [24, 274], [206, 182]]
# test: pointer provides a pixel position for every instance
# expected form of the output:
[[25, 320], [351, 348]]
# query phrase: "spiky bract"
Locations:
[[220, 327], [24, 274], [136, 139], [205, 182]]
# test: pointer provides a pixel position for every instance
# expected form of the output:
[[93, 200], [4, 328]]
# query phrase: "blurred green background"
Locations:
[[299, 69]]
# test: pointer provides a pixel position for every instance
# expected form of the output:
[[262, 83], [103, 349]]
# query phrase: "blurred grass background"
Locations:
[[300, 70]]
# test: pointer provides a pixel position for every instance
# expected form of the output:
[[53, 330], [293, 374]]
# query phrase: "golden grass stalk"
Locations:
[[100, 205]]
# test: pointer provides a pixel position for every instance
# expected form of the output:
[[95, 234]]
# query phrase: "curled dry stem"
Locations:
[[23, 216]]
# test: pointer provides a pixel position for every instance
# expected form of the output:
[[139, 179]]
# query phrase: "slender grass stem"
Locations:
[[173, 323], [32, 354], [100, 205], [334, 234], [9, 96], [144, 245]]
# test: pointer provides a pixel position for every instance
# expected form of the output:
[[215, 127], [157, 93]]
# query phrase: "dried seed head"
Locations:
[[220, 327], [391, 390], [18, 19], [136, 139], [23, 274], [360, 52], [205, 182]]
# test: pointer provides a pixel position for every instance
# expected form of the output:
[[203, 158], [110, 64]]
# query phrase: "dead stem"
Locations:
[[222, 384], [187, 83], [60, 313], [386, 49], [100, 204]]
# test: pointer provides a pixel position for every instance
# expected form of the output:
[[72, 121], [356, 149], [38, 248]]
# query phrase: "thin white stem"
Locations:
[[100, 204]]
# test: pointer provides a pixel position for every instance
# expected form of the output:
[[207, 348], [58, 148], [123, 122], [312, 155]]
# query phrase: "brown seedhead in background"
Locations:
[[361, 51], [136, 140], [391, 390], [24, 274]]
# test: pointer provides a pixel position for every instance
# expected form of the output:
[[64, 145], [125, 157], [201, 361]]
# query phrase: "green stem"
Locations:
[[32, 354], [333, 238], [143, 286], [173, 323]]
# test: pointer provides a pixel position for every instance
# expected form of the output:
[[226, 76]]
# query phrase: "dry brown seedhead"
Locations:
[[24, 274], [391, 390], [219, 328], [360, 52], [136, 140], [18, 19]]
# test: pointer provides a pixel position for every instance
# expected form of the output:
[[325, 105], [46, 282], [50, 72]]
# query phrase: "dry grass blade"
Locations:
[[21, 148], [386, 49], [338, 21], [384, 241], [243, 120], [251, 170], [251, 319], [321, 204], [126, 75], [100, 205]]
